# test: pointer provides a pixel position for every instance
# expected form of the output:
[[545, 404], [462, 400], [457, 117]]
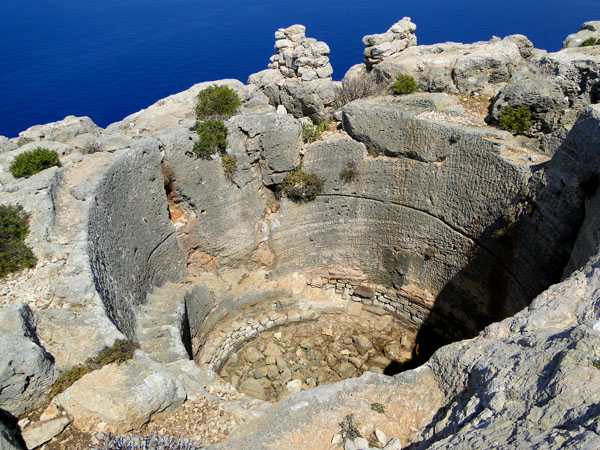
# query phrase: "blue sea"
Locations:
[[109, 58]]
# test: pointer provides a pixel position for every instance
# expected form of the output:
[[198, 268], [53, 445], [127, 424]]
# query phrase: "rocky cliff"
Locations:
[[450, 262]]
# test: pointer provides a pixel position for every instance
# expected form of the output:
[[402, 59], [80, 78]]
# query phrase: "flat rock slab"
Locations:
[[38, 433], [124, 396]]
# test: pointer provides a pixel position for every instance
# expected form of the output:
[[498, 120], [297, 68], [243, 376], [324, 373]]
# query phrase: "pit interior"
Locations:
[[277, 297]]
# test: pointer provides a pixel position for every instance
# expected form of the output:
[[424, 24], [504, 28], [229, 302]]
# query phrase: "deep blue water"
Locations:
[[109, 58]]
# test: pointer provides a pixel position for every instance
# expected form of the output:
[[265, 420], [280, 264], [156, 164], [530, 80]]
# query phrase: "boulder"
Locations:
[[27, 370], [315, 99], [61, 131], [123, 396], [556, 87], [40, 432], [587, 31], [456, 68], [7, 439]]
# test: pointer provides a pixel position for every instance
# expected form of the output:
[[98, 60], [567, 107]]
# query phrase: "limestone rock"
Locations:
[[41, 432], [363, 344], [123, 396], [253, 388], [61, 131], [294, 386], [589, 30], [452, 67], [7, 439], [387, 45], [556, 87], [27, 369], [132, 193]]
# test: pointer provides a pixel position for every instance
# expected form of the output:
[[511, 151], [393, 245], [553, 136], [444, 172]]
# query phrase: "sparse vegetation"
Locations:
[[14, 227], [378, 407], [348, 428], [312, 132], [300, 186], [119, 352], [34, 161], [350, 173], [229, 164], [355, 88], [589, 42], [430, 252], [404, 84], [218, 102], [212, 138], [517, 119], [373, 151], [91, 147], [596, 364]]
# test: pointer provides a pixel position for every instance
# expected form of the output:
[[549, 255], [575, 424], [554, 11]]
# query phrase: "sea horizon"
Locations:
[[108, 60]]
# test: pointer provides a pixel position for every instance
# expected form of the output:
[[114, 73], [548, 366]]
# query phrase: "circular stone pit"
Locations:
[[302, 355]]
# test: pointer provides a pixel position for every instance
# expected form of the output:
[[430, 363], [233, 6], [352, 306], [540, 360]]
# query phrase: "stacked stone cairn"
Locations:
[[401, 35], [300, 57]]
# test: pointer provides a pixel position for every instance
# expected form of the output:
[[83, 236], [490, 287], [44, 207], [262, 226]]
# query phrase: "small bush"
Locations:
[[119, 352], [312, 132], [91, 147], [34, 161], [348, 429], [300, 186], [589, 42], [378, 407], [229, 164], [404, 84], [350, 173], [596, 364], [517, 119], [212, 134], [217, 102], [14, 227], [356, 88]]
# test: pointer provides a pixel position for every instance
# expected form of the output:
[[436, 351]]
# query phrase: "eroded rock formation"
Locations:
[[432, 226]]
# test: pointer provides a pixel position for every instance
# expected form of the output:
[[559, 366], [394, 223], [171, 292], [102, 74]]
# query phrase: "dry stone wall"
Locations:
[[300, 57]]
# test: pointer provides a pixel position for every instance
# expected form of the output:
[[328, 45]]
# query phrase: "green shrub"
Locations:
[[121, 351], [34, 161], [14, 254], [378, 407], [229, 164], [212, 134], [217, 102], [517, 119], [312, 132], [589, 42], [404, 84], [300, 186]]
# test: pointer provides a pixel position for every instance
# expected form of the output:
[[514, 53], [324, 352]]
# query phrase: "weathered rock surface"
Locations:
[[123, 396], [7, 439], [26, 369], [299, 75], [456, 68], [41, 432], [132, 242], [61, 131], [386, 45], [587, 31], [556, 87]]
